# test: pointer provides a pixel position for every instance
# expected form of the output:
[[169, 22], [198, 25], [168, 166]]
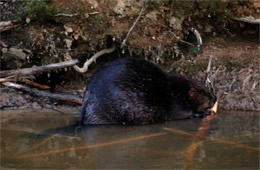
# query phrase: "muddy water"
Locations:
[[46, 139]]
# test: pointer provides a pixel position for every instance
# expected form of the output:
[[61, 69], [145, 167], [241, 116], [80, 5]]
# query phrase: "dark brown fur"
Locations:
[[132, 91]]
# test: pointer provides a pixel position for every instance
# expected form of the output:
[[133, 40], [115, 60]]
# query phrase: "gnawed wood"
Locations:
[[56, 96], [39, 69], [196, 141]]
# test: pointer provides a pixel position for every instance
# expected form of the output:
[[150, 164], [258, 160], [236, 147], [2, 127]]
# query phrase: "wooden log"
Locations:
[[60, 97], [38, 69]]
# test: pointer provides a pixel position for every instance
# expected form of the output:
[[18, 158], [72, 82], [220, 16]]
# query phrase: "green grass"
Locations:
[[36, 10]]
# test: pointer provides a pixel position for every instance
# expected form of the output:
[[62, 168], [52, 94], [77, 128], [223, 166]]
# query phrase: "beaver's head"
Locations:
[[200, 98]]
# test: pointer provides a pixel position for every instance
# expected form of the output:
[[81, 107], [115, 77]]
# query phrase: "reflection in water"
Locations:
[[47, 139]]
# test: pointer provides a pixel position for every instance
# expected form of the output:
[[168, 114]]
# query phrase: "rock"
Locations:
[[175, 23], [18, 53], [152, 15], [4, 50], [94, 3], [35, 105], [27, 20], [208, 29], [86, 15], [68, 29], [12, 58], [68, 43], [120, 7], [256, 3]]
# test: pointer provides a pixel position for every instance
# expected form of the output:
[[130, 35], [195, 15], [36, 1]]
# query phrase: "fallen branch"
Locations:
[[65, 15], [197, 35], [92, 59], [39, 69], [73, 15], [208, 81], [24, 80], [60, 97], [93, 13], [6, 79], [249, 19], [34, 84], [182, 41]]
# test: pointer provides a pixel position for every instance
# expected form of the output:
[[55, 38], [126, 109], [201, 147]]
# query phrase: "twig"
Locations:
[[6, 79], [3, 44], [208, 79], [249, 19], [209, 64], [92, 59], [34, 84], [35, 70], [231, 84], [245, 81], [60, 97], [254, 85], [224, 27], [93, 13], [137, 19], [197, 35], [73, 15], [65, 15], [185, 42]]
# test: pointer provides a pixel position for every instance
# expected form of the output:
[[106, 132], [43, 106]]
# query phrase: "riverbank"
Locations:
[[161, 36]]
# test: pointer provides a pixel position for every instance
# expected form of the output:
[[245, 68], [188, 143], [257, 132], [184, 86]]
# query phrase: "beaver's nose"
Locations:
[[214, 106]]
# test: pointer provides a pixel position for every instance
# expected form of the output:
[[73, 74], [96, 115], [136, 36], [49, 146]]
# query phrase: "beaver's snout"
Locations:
[[214, 108]]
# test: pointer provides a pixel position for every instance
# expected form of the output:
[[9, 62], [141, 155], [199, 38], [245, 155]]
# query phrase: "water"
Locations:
[[46, 139]]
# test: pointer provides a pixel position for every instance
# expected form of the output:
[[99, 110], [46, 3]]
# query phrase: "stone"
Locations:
[[175, 23]]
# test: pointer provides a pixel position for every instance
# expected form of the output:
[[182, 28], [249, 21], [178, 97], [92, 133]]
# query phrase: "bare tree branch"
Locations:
[[249, 19], [39, 69], [92, 59]]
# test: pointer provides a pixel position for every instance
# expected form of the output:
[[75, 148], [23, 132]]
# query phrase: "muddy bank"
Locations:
[[81, 28]]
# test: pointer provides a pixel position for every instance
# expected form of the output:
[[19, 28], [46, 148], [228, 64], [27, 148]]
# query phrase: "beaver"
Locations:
[[135, 91]]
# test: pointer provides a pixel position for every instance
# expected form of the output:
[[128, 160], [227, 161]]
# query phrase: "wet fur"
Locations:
[[133, 91]]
